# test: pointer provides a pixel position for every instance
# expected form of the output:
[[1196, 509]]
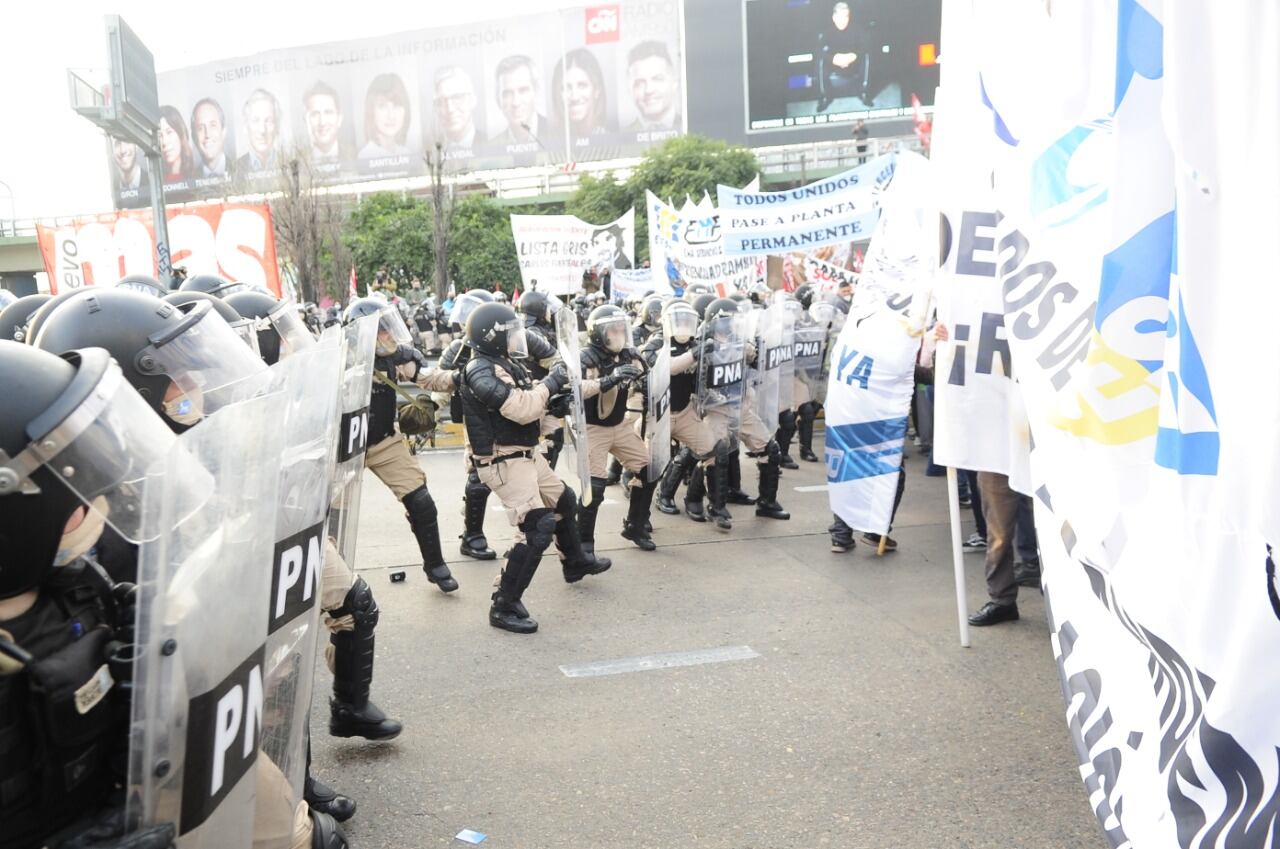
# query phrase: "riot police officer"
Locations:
[[539, 310], [502, 408], [65, 645], [609, 365], [388, 456], [803, 408]]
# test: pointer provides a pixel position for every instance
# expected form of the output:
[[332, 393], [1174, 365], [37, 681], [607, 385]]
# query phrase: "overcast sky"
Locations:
[[55, 161]]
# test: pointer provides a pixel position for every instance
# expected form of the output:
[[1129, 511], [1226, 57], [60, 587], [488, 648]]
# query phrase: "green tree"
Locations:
[[599, 200], [481, 247], [393, 230]]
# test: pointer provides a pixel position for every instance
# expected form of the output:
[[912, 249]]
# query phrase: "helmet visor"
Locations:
[[206, 360], [391, 326], [517, 342], [614, 331], [822, 313], [294, 336], [684, 323], [104, 449], [463, 306]]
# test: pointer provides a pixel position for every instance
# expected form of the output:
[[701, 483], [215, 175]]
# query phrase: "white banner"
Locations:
[[635, 283], [1155, 501], [556, 250], [826, 276], [686, 246], [838, 209]]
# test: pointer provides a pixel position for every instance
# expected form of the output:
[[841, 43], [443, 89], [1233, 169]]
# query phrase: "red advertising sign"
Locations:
[[232, 240], [603, 24]]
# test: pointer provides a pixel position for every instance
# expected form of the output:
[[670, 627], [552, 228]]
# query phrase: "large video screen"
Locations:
[[571, 86], [816, 62]]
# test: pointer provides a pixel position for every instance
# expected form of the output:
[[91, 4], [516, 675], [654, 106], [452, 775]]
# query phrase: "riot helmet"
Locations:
[[464, 305], [76, 442], [804, 294], [539, 308], [210, 284], [242, 326], [44, 311], [14, 318], [608, 327], [682, 320], [501, 297], [184, 365], [693, 290], [279, 329], [700, 303], [720, 306], [143, 283], [496, 330], [651, 312], [392, 331]]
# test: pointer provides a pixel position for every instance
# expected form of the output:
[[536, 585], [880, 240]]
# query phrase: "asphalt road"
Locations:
[[852, 719]]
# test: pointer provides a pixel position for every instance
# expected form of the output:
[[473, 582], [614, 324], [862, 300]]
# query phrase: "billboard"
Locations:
[[576, 85], [811, 63], [234, 241]]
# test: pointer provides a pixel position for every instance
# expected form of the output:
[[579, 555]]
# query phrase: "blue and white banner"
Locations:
[[686, 246], [842, 208], [1123, 236]]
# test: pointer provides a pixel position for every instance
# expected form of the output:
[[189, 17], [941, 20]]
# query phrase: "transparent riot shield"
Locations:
[[199, 677], [766, 381], [567, 339], [721, 372], [657, 417], [355, 386], [785, 357], [810, 350], [308, 459]]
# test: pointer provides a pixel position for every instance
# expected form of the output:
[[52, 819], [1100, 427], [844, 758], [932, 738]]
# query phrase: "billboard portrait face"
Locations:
[[262, 124], [654, 85], [517, 93], [323, 115], [125, 156], [454, 98], [578, 85], [386, 117], [209, 130]]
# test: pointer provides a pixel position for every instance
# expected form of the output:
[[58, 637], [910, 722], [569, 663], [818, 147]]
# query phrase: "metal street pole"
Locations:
[[164, 266], [13, 213]]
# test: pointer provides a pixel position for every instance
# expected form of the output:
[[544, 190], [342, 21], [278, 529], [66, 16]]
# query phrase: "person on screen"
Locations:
[[386, 118], [209, 129], [175, 146], [580, 101], [262, 123], [324, 124], [455, 103], [653, 80], [843, 58], [606, 249], [129, 174], [517, 89]]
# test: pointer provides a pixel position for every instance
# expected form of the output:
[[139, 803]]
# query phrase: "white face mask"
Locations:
[[386, 347], [76, 542], [186, 409]]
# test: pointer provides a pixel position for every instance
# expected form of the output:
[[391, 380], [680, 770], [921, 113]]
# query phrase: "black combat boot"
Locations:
[[475, 498], [587, 516], [507, 612], [351, 714], [421, 508], [768, 506], [670, 481], [786, 432], [575, 561], [636, 526], [735, 495], [320, 797], [326, 833], [694, 493], [805, 420], [718, 479]]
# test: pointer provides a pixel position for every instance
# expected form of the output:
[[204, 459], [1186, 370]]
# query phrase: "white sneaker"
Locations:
[[974, 543]]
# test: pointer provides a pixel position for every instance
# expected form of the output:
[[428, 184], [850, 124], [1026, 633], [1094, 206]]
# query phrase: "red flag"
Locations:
[[923, 124], [351, 289]]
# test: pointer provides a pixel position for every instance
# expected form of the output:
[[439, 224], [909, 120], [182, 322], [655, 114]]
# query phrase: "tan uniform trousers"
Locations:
[[391, 461], [335, 581], [276, 820], [692, 432], [751, 430], [620, 440], [522, 484]]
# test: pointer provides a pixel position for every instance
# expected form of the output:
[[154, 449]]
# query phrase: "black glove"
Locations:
[[708, 346], [457, 378], [106, 831], [621, 374], [556, 379], [560, 405]]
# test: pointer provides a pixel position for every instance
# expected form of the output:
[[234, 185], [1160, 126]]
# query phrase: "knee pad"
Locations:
[[539, 528], [721, 452], [420, 505], [475, 488], [360, 605], [567, 503], [787, 419], [772, 452], [597, 490], [809, 410]]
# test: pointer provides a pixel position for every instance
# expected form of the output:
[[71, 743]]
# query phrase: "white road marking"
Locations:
[[822, 487], [670, 660]]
